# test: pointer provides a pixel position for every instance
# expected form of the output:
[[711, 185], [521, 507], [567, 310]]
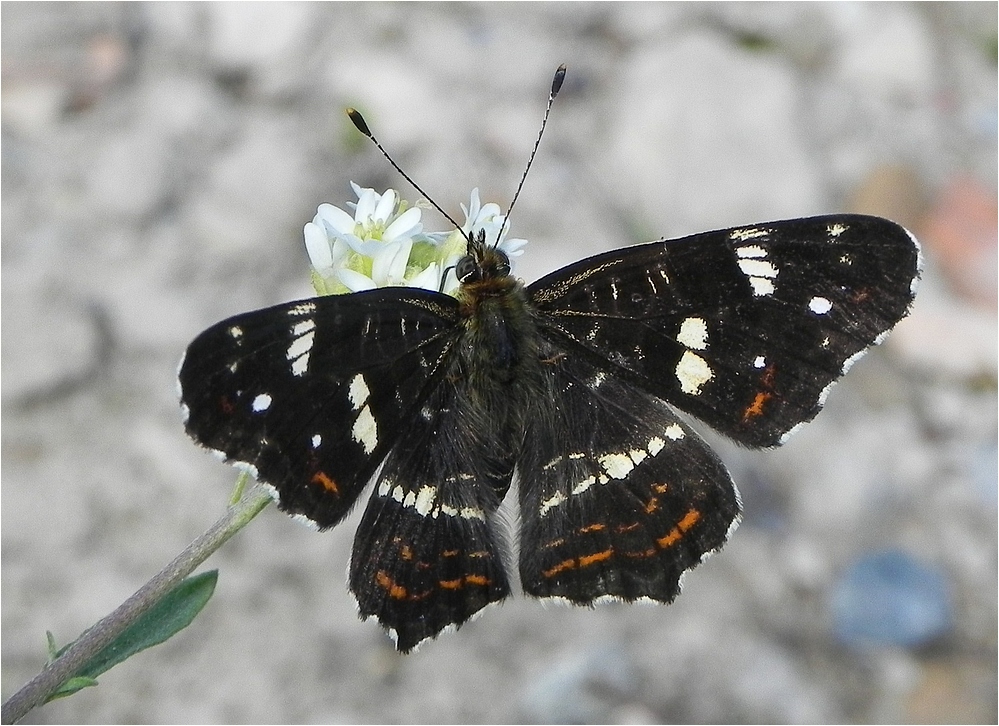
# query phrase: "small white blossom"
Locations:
[[487, 217], [382, 244]]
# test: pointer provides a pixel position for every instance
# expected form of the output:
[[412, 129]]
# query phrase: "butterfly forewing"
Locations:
[[618, 498], [744, 328], [314, 393]]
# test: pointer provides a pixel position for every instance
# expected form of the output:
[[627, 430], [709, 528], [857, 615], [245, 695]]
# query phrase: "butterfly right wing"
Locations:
[[313, 394], [744, 328], [618, 497]]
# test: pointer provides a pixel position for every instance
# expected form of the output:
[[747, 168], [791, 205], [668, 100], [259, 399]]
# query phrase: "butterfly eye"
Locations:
[[466, 270], [503, 266]]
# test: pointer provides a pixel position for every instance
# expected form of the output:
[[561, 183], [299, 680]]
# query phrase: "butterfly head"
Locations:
[[482, 262]]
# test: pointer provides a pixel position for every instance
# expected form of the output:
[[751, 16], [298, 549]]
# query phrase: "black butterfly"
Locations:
[[568, 382]]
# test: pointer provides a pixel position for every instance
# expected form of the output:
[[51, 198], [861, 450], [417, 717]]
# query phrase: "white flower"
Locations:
[[383, 244], [487, 217], [367, 250]]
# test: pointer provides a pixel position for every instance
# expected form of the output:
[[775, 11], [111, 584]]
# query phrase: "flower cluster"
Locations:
[[383, 244]]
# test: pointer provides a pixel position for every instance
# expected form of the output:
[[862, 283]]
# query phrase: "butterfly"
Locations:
[[568, 385]]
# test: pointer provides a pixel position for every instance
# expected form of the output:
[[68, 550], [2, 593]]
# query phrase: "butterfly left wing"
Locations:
[[618, 497], [313, 394], [427, 556], [743, 328]]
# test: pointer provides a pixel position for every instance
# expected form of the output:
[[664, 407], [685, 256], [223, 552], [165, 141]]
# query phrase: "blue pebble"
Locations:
[[890, 598]]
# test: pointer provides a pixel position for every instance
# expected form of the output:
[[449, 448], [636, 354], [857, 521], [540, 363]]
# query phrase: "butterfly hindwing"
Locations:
[[313, 394], [618, 497], [744, 328], [426, 556]]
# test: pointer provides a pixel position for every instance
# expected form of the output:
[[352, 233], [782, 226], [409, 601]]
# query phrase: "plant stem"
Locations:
[[38, 689]]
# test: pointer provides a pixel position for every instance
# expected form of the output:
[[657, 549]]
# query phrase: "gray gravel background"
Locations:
[[159, 162]]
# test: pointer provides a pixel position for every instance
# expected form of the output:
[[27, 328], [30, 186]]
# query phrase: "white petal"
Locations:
[[381, 263], [429, 279], [513, 247], [366, 206], [366, 247], [385, 206], [335, 218], [340, 250], [472, 213], [406, 225], [355, 281], [490, 210], [317, 244], [389, 265]]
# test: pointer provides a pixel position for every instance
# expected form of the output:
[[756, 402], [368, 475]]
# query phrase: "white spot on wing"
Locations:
[[425, 500], [819, 305], [584, 485], [358, 392], [365, 430], [835, 230], [750, 251], [317, 441], [617, 466], [761, 286], [546, 505], [673, 431], [757, 268], [693, 334], [305, 308], [298, 352], [748, 233], [693, 372], [261, 403], [761, 362]]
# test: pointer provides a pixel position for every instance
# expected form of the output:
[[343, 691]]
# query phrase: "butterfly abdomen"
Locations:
[[497, 373]]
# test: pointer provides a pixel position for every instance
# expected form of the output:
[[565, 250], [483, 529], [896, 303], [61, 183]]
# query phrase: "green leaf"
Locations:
[[72, 686], [170, 615]]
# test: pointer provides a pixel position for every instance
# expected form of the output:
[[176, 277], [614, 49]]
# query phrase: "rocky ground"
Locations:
[[159, 161]]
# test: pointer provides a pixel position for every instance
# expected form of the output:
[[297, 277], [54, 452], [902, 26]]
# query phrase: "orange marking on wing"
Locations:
[[321, 478], [397, 592], [450, 553], [622, 528], [660, 488], [560, 567], [592, 528], [652, 506], [450, 584], [405, 552], [596, 557], [554, 543], [675, 534], [477, 580], [756, 407], [479, 554], [689, 520]]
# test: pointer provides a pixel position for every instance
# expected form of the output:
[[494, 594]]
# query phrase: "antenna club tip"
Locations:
[[358, 120], [557, 80]]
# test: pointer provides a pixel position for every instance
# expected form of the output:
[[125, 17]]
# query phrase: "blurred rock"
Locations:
[[890, 598]]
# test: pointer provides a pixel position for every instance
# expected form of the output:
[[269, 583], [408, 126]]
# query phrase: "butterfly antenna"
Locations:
[[362, 126], [556, 87]]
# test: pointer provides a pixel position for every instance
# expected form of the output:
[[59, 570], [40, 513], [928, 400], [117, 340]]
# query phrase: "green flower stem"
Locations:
[[38, 689]]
